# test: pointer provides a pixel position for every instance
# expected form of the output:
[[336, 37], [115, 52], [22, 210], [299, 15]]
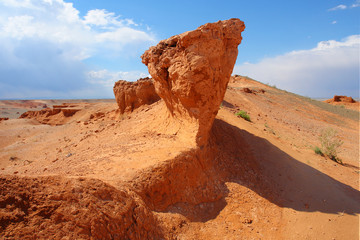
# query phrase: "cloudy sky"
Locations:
[[79, 48]]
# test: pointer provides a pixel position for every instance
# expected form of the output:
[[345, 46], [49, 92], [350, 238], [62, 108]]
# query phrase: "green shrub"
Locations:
[[243, 115], [330, 144], [318, 151]]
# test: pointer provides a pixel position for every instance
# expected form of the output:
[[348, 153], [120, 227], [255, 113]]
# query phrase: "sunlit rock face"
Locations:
[[191, 71]]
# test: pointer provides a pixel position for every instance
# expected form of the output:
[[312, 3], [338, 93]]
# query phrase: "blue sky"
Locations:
[[79, 48]]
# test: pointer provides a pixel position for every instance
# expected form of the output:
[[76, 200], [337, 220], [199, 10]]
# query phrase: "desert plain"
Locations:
[[88, 169]]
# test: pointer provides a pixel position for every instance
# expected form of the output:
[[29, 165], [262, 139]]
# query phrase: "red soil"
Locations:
[[97, 174], [344, 101]]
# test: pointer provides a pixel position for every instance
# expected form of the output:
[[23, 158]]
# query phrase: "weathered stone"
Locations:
[[191, 71], [131, 95], [343, 99]]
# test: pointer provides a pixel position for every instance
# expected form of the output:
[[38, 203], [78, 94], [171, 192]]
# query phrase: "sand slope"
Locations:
[[102, 175]]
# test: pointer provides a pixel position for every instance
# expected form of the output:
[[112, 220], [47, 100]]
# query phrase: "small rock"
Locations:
[[13, 158], [247, 90], [248, 221]]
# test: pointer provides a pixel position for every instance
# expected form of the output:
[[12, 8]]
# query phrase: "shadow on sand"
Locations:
[[280, 178]]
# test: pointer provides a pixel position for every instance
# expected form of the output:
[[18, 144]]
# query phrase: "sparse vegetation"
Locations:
[[273, 86], [243, 115], [339, 110], [269, 129], [318, 151], [330, 144]]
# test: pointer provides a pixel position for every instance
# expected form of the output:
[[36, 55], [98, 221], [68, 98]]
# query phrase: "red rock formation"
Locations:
[[131, 95], [72, 209], [191, 71], [342, 99], [56, 116]]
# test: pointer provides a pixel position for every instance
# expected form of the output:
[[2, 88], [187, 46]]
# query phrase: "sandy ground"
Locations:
[[263, 179], [14, 108]]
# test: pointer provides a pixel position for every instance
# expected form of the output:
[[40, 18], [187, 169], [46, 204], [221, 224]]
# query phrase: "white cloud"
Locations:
[[19, 26], [19, 3], [332, 67], [334, 22], [343, 7], [58, 21], [108, 78], [338, 7], [356, 4], [101, 17], [43, 45], [123, 35], [98, 17]]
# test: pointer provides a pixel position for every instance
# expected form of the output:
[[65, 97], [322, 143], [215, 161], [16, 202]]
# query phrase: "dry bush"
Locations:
[[330, 144]]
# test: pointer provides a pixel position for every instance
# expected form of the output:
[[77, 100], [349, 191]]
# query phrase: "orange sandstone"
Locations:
[[191, 71], [131, 95]]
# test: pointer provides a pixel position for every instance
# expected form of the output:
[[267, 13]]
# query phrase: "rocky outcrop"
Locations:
[[58, 115], [191, 71], [343, 99], [131, 95], [72, 209]]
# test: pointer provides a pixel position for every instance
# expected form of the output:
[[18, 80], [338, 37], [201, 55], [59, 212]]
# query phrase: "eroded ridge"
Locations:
[[191, 71], [131, 95]]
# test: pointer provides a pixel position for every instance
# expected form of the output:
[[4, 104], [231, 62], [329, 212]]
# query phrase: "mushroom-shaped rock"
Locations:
[[191, 71], [131, 95]]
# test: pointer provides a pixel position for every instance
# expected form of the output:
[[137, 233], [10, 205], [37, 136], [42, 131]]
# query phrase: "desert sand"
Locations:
[[184, 166], [266, 182]]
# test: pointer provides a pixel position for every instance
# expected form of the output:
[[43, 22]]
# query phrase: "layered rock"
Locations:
[[131, 95], [191, 71], [58, 115]]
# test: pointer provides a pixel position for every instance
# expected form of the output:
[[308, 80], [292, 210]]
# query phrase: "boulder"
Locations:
[[191, 71], [131, 95]]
